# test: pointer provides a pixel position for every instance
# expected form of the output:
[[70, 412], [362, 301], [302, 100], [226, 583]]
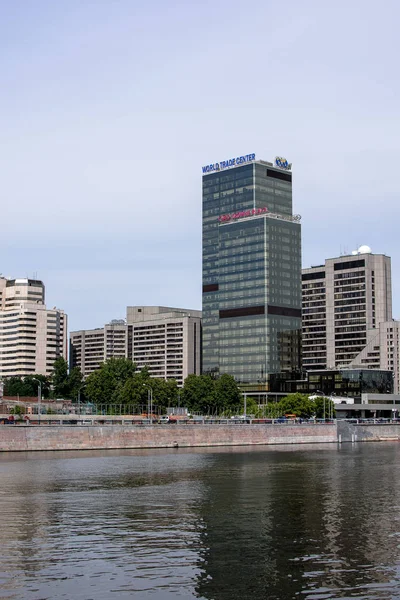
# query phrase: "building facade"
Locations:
[[251, 271], [31, 336], [89, 348], [166, 340], [344, 301], [382, 351]]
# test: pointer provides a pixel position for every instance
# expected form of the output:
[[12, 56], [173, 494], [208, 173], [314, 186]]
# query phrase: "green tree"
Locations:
[[324, 408], [26, 386], [134, 393], [165, 393], [199, 393], [273, 410], [66, 384], [297, 404], [106, 384], [251, 406], [227, 394], [32, 382], [76, 384], [59, 378], [15, 386]]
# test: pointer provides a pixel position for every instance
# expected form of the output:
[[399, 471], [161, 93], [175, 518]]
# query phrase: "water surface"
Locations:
[[309, 522]]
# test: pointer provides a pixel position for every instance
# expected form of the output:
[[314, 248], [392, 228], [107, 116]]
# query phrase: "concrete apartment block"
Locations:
[[343, 303], [166, 340], [31, 336], [382, 351], [91, 347]]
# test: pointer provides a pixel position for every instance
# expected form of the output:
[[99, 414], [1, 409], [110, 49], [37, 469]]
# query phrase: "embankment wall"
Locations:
[[362, 432], [93, 437], [102, 437]]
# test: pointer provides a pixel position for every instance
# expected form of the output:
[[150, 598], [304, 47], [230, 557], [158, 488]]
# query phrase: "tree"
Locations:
[[199, 393], [66, 384], [106, 384], [76, 383], [273, 410], [26, 386], [251, 407], [297, 404], [227, 394], [165, 393], [323, 408], [59, 378], [134, 392]]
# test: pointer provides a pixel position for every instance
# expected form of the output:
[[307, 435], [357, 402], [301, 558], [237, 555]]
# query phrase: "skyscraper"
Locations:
[[251, 270]]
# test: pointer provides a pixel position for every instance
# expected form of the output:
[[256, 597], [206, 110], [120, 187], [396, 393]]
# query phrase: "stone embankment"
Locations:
[[93, 437], [14, 438]]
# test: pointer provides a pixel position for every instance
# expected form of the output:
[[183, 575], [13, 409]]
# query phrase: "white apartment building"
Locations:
[[89, 348], [382, 351], [31, 336], [343, 303], [166, 340]]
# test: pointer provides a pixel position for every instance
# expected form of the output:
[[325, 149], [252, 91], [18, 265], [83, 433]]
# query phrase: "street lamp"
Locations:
[[149, 400], [39, 396], [79, 400], [323, 396]]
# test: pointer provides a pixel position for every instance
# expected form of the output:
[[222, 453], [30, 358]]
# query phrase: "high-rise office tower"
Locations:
[[251, 271], [344, 301]]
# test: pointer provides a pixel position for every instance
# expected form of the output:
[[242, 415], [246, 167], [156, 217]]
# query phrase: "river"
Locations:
[[309, 522]]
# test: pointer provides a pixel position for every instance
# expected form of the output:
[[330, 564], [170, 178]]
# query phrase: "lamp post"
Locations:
[[79, 401], [39, 396], [149, 401], [323, 397]]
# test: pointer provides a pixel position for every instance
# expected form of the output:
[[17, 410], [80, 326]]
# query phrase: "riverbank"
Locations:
[[97, 437], [22, 438]]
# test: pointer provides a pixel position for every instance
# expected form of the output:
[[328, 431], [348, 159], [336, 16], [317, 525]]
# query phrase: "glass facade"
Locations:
[[345, 382], [251, 274]]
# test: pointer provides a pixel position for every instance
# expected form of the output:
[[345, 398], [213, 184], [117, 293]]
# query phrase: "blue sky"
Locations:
[[110, 108]]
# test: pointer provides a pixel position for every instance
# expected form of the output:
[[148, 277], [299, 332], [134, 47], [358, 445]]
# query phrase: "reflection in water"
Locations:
[[276, 523]]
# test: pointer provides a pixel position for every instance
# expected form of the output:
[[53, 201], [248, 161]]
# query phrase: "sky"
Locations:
[[109, 109]]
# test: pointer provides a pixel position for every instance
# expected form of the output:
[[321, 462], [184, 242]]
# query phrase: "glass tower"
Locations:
[[251, 273]]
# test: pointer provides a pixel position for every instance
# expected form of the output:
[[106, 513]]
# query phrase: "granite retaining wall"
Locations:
[[364, 432], [93, 437]]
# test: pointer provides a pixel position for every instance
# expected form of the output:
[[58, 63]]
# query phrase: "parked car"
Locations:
[[164, 419]]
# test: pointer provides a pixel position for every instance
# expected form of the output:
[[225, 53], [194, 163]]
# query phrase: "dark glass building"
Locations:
[[342, 382], [251, 271]]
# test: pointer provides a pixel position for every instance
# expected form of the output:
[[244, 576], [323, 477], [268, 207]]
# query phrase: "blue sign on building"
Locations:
[[232, 162], [282, 163]]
